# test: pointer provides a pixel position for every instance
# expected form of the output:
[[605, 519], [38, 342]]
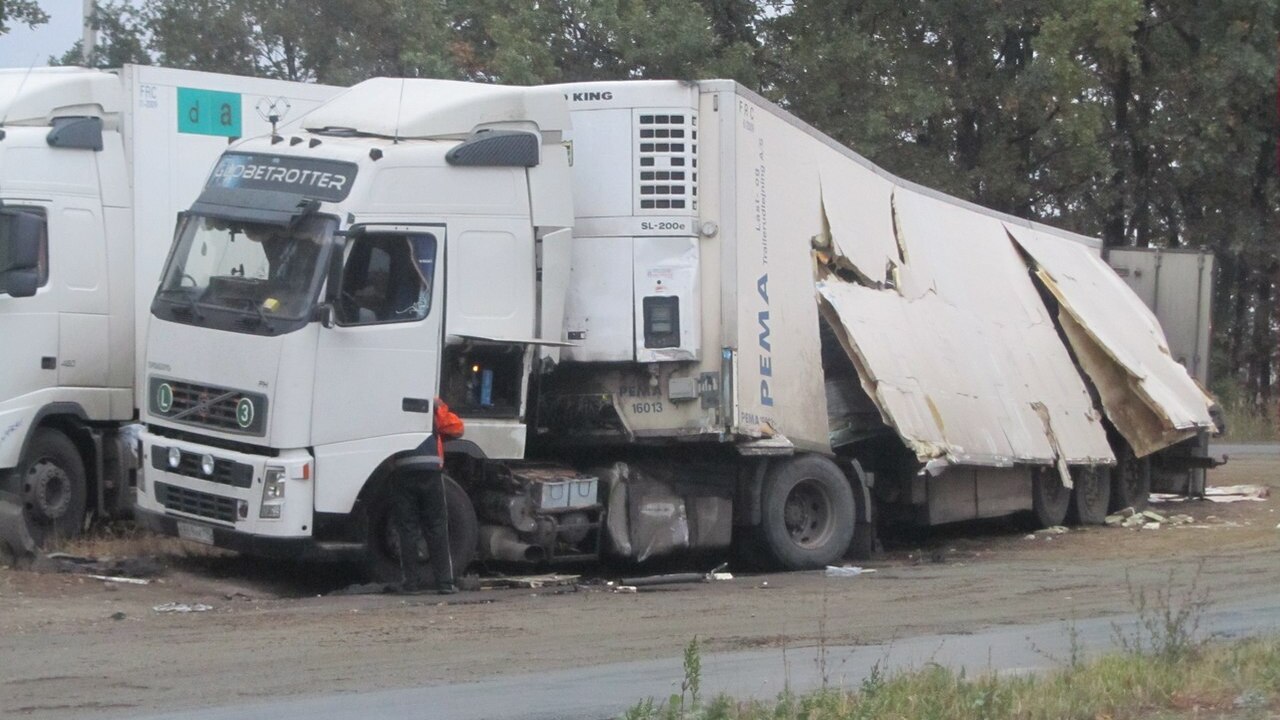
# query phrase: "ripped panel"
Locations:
[[1151, 399], [960, 355]]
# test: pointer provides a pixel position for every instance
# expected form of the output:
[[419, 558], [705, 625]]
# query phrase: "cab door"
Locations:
[[378, 366]]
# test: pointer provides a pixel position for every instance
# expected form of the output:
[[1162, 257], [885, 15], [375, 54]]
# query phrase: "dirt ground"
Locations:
[[72, 646]]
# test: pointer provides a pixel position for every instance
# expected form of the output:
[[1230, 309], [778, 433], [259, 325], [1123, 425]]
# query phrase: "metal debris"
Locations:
[[173, 607], [123, 580], [846, 571]]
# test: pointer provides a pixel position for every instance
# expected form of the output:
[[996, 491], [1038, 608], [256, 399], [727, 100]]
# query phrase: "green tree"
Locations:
[[23, 12], [120, 39]]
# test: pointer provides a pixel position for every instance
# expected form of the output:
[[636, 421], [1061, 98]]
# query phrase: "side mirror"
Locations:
[[325, 314], [26, 230], [20, 283]]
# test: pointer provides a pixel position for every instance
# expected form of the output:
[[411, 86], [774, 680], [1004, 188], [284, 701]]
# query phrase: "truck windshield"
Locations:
[[243, 276]]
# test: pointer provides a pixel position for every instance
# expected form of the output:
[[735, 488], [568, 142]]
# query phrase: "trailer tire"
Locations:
[[1090, 496], [50, 482], [1050, 499], [382, 563], [807, 512], [1130, 481]]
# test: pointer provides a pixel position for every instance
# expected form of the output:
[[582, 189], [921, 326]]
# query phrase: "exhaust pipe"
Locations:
[[501, 543]]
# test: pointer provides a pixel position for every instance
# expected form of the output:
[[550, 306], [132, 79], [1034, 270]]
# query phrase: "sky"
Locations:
[[22, 46]]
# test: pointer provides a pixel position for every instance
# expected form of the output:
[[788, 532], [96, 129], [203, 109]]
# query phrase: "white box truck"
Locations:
[[94, 167], [673, 317]]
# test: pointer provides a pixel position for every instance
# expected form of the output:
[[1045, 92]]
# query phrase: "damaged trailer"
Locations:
[[718, 328]]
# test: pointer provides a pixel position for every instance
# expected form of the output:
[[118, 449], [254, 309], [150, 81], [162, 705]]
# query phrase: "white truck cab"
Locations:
[[94, 166]]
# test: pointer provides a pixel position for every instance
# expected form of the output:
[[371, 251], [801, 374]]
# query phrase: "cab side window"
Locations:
[[387, 278], [16, 254]]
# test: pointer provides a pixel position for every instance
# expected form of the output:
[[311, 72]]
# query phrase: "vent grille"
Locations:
[[194, 502], [667, 167], [222, 408], [225, 472]]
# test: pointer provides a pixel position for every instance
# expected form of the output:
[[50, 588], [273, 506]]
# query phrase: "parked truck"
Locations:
[[94, 167], [673, 316]]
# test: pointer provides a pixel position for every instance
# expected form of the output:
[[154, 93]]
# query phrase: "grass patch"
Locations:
[[1247, 422], [1236, 679]]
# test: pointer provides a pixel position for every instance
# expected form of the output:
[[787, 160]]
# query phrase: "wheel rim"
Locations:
[[807, 514], [1051, 487], [46, 492]]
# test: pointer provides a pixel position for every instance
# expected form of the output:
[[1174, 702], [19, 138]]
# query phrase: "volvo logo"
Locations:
[[244, 413]]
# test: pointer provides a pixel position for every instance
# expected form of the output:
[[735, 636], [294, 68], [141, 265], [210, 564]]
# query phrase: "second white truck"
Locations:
[[94, 168], [673, 317]]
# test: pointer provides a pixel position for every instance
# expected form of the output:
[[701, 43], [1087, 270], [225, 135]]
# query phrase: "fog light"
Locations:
[[242, 509], [175, 457], [206, 464]]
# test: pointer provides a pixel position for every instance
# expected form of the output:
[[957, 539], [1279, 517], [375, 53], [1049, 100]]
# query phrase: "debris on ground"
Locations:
[[182, 608], [1220, 494], [237, 595], [625, 589], [1049, 532], [128, 567], [1146, 520], [846, 571], [122, 580], [531, 582], [118, 616]]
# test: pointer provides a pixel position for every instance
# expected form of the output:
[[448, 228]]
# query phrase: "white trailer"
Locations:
[[671, 314], [94, 168]]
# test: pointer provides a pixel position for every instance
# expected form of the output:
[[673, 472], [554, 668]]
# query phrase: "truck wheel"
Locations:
[[807, 512], [382, 557], [1130, 481], [1050, 499], [1090, 496], [50, 480]]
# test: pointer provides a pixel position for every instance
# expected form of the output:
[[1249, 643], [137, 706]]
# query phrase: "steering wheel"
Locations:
[[185, 277]]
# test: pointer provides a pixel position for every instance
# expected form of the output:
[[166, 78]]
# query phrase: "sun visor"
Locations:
[[268, 207]]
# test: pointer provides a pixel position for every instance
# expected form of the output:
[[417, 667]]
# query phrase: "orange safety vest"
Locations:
[[447, 425]]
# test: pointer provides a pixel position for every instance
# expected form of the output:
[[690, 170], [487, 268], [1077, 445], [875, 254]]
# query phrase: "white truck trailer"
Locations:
[[672, 315], [94, 167]]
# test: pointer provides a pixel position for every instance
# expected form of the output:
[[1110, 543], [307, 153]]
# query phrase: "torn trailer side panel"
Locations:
[[1147, 395]]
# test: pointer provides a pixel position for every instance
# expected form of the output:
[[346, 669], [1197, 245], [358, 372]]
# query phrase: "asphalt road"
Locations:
[[1245, 449], [606, 691]]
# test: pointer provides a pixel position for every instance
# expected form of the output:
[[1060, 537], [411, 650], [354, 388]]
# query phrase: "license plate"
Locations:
[[195, 533]]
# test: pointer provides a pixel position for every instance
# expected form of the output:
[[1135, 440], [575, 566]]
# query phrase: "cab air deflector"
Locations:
[[268, 207], [496, 148]]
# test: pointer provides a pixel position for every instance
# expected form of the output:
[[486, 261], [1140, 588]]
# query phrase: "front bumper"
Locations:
[[302, 548], [224, 489]]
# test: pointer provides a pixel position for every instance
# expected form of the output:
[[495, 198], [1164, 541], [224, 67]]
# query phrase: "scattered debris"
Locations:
[[625, 589], [118, 615], [846, 571], [1147, 519], [173, 607], [363, 589], [124, 580], [532, 582], [1236, 493], [237, 595], [131, 567]]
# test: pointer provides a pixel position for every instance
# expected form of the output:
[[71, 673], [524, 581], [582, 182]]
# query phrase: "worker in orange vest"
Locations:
[[420, 510]]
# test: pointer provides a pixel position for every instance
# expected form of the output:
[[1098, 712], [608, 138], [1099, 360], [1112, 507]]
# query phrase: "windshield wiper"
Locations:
[[192, 305]]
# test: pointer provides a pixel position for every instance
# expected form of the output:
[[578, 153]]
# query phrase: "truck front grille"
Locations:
[[194, 502], [211, 406]]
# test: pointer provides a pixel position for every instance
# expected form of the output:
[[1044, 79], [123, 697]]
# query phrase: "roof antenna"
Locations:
[[18, 93], [395, 134]]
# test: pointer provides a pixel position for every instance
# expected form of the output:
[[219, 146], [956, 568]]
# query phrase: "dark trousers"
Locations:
[[420, 512]]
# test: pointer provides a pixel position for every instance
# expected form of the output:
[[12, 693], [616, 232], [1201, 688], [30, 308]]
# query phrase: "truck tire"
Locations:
[[1090, 496], [807, 513], [382, 561], [1130, 481], [50, 482], [1050, 499]]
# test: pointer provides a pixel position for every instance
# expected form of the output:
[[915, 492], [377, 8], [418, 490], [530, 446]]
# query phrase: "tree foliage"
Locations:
[[1144, 122], [23, 12]]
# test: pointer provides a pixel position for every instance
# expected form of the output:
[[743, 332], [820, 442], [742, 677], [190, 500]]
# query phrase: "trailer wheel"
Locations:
[[50, 481], [1050, 499], [382, 551], [1130, 481], [807, 512], [1090, 496]]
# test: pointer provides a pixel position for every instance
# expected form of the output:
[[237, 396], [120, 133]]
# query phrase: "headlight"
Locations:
[[273, 480], [175, 457], [206, 465]]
